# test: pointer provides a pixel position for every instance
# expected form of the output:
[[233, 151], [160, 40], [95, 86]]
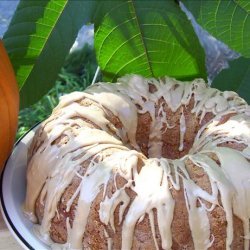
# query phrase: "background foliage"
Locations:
[[39, 38], [228, 21], [152, 38], [76, 74]]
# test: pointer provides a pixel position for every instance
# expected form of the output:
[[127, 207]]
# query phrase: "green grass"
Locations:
[[77, 73]]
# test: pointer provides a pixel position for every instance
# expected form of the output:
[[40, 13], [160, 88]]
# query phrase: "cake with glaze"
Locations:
[[142, 164]]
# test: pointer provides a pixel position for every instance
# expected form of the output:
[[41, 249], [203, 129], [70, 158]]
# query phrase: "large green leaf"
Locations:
[[227, 20], [151, 38], [235, 78], [38, 40]]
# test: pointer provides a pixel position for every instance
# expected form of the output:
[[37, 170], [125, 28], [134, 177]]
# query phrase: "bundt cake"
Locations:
[[142, 164]]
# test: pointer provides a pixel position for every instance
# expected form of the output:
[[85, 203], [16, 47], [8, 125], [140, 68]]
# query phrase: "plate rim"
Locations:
[[19, 238]]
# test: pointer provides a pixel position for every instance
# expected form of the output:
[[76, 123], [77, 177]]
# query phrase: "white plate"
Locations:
[[13, 188]]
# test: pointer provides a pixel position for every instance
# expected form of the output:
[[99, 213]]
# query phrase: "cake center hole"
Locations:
[[170, 134]]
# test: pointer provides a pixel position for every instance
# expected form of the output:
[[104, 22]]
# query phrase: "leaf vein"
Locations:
[[141, 36], [117, 49], [109, 33], [127, 63]]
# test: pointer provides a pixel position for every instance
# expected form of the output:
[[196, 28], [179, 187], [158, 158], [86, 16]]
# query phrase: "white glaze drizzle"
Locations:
[[109, 240], [52, 167], [198, 219], [182, 130], [155, 136]]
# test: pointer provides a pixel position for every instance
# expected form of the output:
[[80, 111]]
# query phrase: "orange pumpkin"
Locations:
[[9, 106]]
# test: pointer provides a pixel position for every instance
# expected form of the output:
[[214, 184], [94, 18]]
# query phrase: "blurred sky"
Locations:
[[7, 8]]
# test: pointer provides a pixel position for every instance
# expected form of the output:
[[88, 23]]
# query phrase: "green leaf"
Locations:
[[235, 78], [39, 38], [151, 38], [228, 21]]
